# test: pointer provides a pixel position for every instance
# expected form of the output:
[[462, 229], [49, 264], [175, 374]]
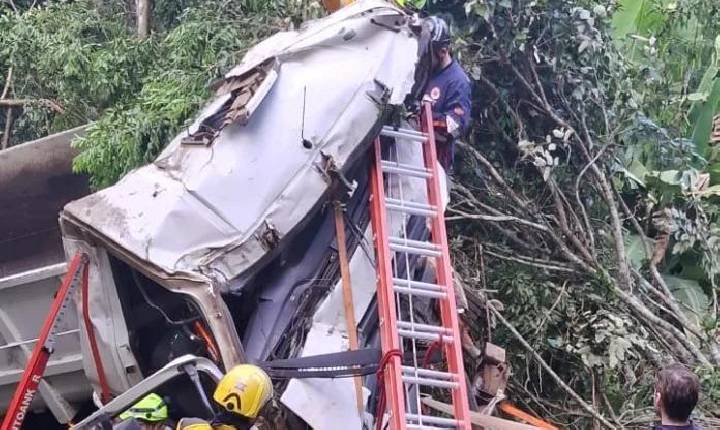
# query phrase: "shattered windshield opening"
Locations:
[[273, 309]]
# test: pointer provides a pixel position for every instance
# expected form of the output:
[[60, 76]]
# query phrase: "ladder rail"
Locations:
[[448, 307], [385, 295]]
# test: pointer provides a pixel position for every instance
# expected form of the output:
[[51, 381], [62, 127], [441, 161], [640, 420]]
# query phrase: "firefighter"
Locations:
[[241, 393], [449, 92], [150, 413]]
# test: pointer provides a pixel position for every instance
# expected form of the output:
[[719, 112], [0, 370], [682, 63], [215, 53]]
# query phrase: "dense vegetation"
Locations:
[[584, 216], [76, 62], [584, 187]]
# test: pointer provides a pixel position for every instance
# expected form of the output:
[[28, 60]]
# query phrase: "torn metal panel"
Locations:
[[241, 95]]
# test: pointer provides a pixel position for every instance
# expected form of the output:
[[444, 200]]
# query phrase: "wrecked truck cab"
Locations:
[[223, 243]]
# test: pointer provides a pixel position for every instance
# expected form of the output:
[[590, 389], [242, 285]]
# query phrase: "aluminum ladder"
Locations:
[[401, 337]]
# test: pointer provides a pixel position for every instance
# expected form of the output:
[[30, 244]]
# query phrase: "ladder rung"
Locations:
[[404, 133], [434, 374], [421, 293], [429, 382], [419, 335], [411, 208], [405, 130], [432, 420], [412, 242], [418, 288], [405, 169], [423, 327], [426, 427], [418, 285], [426, 328], [410, 246]]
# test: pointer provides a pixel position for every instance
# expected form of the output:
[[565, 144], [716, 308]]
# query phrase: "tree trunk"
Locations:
[[144, 9], [8, 129]]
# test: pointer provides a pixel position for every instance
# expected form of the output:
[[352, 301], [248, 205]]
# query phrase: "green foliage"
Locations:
[[560, 86], [192, 54], [672, 47], [130, 135], [626, 19], [691, 295], [88, 66], [139, 93]]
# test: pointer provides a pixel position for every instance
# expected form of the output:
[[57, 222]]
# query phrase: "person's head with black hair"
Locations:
[[676, 393]]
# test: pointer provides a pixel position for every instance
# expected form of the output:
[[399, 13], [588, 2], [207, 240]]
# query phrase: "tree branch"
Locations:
[[8, 80], [532, 262], [588, 408], [644, 313], [522, 204], [586, 218], [46, 103], [495, 218], [8, 129], [12, 6], [563, 223]]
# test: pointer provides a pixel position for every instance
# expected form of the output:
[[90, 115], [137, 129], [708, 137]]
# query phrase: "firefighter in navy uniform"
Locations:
[[242, 393], [449, 92]]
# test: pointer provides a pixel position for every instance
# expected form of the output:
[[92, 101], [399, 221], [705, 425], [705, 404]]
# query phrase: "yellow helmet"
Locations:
[[151, 408], [414, 4], [244, 390]]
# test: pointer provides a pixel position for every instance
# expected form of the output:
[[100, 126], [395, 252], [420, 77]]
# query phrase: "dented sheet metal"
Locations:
[[217, 207]]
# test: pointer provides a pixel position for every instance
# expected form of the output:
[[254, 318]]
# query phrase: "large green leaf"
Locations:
[[706, 84], [641, 17], [704, 119], [691, 267], [714, 171], [665, 185], [626, 18], [704, 89], [635, 250], [636, 172], [690, 294]]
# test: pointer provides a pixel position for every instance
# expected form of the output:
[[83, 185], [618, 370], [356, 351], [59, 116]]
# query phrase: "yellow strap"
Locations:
[[193, 424]]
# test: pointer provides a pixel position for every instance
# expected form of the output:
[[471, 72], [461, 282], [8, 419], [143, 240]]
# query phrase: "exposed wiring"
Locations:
[[148, 300], [362, 242]]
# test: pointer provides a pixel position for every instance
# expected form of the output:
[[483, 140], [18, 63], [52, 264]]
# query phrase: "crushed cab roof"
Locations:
[[256, 160]]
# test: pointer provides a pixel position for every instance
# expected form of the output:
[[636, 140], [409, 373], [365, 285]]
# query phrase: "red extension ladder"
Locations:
[[406, 369]]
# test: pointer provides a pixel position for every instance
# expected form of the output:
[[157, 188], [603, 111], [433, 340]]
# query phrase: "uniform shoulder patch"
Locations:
[[435, 93]]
